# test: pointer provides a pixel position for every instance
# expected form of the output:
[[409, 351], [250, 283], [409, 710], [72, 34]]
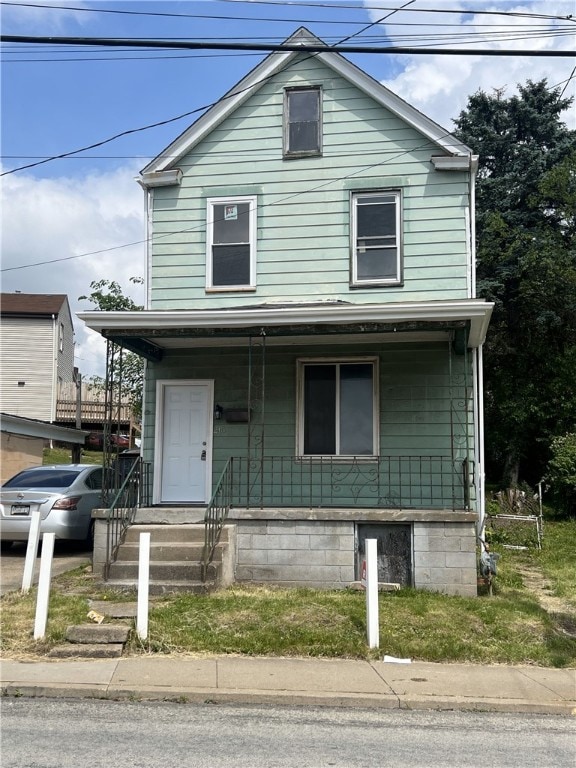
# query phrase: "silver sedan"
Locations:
[[66, 494]]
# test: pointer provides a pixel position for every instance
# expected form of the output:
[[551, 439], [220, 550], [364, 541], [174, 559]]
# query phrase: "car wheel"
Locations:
[[90, 536], [5, 545]]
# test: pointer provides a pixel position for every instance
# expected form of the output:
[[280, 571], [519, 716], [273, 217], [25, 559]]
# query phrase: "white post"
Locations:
[[372, 621], [44, 586], [143, 585], [31, 550]]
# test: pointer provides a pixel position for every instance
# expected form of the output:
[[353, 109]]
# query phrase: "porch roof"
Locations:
[[149, 332]]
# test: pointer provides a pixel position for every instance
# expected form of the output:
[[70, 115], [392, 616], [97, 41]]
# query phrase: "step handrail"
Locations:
[[121, 512], [215, 515]]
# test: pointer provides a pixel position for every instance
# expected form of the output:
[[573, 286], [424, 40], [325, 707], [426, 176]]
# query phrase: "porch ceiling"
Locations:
[[149, 332]]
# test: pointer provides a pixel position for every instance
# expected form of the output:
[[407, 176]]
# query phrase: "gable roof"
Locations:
[[35, 304], [272, 64]]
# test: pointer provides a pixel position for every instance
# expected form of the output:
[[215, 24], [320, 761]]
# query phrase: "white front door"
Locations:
[[186, 423]]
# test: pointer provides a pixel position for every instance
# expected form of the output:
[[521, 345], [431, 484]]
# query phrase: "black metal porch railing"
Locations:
[[216, 512], [133, 480], [384, 482]]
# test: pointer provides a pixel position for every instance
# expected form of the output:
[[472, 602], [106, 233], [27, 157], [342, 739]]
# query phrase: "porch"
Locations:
[[304, 425], [299, 521]]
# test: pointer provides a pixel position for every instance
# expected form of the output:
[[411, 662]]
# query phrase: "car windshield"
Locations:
[[43, 478]]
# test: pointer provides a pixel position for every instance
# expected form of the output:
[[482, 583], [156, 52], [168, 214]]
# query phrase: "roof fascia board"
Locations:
[[477, 311], [388, 99], [218, 112], [452, 162], [160, 178], [18, 425], [273, 64]]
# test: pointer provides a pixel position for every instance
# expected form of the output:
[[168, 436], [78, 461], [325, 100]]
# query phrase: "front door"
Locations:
[[185, 442]]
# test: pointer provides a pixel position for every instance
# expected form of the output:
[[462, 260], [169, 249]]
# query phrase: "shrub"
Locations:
[[561, 472]]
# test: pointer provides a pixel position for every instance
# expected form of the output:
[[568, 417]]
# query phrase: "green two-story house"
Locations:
[[312, 335]]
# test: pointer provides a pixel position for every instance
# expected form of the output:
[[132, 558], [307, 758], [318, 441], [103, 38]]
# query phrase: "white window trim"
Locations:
[[210, 203], [287, 152], [397, 280], [301, 363]]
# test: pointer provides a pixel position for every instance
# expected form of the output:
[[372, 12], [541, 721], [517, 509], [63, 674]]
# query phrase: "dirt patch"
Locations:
[[560, 610]]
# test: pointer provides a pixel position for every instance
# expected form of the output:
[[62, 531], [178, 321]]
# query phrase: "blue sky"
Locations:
[[58, 99]]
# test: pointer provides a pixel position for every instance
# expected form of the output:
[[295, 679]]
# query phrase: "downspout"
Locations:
[[472, 209], [481, 472], [148, 207], [478, 368]]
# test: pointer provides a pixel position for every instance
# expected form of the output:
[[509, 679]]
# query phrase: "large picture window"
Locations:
[[337, 408], [231, 243], [376, 238], [302, 121]]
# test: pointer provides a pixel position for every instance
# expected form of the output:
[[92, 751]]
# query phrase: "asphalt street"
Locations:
[[52, 733]]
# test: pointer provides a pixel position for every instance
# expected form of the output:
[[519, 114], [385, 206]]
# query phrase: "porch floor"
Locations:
[[183, 515]]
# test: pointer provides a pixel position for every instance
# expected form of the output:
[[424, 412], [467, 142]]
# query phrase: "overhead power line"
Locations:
[[269, 47], [291, 4], [196, 227]]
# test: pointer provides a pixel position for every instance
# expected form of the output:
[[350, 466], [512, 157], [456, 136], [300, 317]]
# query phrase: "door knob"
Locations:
[[203, 456]]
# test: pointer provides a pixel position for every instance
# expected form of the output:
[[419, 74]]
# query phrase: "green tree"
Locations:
[[526, 259], [108, 296], [561, 472]]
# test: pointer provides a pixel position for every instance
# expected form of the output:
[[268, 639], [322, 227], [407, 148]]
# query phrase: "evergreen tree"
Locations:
[[526, 265]]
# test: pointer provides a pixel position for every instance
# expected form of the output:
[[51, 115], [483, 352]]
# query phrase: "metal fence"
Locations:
[[382, 482], [132, 479]]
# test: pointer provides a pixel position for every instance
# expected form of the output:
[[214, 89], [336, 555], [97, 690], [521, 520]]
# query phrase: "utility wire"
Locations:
[[273, 48], [458, 11], [156, 237], [288, 4], [464, 38], [313, 49], [567, 83], [201, 225], [320, 48]]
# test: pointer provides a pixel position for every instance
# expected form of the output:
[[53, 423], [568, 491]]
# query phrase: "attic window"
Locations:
[[302, 122]]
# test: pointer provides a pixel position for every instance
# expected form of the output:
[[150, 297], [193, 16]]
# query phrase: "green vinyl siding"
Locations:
[[303, 248], [424, 392]]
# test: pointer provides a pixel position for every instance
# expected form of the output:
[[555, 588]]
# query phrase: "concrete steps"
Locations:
[[98, 641], [175, 559]]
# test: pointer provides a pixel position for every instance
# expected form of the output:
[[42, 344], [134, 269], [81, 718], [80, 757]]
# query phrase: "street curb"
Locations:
[[289, 698]]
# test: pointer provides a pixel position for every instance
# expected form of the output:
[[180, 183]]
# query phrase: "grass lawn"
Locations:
[[510, 627], [64, 456]]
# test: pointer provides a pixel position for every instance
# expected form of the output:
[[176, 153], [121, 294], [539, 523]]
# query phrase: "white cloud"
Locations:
[[440, 85], [48, 219], [34, 20]]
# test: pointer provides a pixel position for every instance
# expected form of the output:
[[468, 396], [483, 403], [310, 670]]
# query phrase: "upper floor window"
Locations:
[[302, 121], [337, 408], [231, 243], [61, 337], [376, 238]]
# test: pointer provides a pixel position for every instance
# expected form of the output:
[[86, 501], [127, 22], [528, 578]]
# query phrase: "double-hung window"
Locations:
[[231, 243], [376, 238], [337, 408], [302, 122]]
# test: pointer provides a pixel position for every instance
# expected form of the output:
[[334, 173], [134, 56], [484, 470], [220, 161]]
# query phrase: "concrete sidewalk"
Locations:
[[284, 681]]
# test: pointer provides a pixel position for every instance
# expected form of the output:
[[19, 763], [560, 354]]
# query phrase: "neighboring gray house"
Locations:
[[312, 333], [36, 353]]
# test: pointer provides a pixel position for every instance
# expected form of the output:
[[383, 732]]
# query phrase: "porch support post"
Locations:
[[481, 473]]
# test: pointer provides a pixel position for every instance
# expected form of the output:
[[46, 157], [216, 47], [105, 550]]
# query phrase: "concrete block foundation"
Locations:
[[318, 548]]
